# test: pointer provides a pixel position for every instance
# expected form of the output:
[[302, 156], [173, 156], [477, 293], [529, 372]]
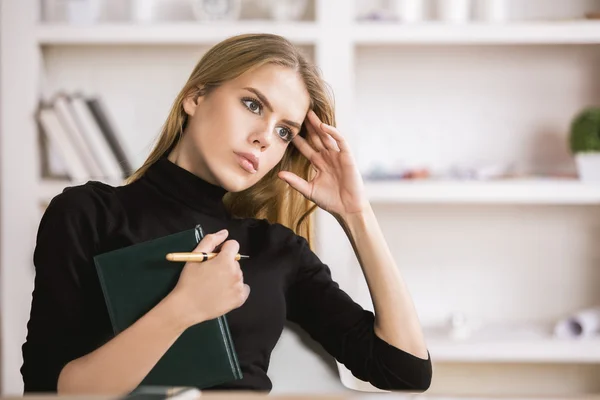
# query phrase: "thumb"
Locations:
[[229, 249], [210, 241], [296, 182]]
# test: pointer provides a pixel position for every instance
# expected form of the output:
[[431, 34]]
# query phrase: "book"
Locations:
[[64, 110], [59, 139], [52, 165], [107, 126], [136, 278], [91, 131]]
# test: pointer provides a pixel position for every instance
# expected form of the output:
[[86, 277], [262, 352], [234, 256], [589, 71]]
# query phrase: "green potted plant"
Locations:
[[584, 142]]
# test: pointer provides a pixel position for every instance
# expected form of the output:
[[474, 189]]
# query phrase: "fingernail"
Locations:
[[221, 232]]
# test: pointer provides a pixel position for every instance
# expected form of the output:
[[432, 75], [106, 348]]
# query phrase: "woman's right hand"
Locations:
[[212, 288]]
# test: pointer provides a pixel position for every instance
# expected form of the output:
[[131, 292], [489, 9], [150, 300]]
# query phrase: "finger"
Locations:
[[336, 136], [305, 148], [211, 241], [296, 182], [324, 138], [230, 249], [315, 139]]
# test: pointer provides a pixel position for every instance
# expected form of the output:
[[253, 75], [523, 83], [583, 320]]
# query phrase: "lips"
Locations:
[[248, 161]]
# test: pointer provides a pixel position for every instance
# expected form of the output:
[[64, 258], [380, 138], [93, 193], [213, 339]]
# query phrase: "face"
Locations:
[[253, 116]]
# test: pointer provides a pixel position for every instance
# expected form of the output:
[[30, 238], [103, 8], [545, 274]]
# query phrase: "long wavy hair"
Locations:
[[270, 198]]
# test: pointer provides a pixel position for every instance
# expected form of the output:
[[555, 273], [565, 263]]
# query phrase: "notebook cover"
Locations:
[[136, 278]]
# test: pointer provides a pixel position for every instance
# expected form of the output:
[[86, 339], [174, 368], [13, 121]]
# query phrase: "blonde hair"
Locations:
[[270, 198]]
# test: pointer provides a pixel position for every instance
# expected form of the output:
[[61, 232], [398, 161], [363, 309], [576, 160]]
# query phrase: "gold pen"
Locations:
[[198, 257]]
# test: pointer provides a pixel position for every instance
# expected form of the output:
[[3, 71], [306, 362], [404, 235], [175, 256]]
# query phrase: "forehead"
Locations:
[[282, 86]]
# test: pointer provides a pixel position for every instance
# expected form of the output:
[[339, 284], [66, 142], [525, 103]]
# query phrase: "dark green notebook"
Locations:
[[136, 278]]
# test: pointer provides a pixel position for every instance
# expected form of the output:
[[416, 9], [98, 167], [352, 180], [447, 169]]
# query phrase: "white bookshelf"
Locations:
[[493, 89]]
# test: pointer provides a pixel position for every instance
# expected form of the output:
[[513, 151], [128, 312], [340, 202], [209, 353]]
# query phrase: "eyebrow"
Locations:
[[263, 98]]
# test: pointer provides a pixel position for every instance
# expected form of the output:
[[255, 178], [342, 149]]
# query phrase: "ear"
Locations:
[[192, 100]]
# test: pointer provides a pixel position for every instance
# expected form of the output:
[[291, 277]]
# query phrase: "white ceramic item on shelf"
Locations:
[[83, 11], [217, 10], [494, 10], [287, 10], [454, 11], [588, 166], [409, 10], [142, 10]]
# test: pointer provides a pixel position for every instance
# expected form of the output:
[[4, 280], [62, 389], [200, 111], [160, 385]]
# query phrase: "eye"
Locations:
[[253, 105], [287, 134]]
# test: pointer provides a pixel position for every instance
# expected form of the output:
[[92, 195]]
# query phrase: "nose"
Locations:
[[263, 136]]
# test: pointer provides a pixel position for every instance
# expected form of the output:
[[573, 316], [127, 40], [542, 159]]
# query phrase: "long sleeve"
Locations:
[[346, 330], [62, 324]]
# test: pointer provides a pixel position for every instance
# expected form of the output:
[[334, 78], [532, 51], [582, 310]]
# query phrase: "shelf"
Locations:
[[504, 192], [572, 32], [526, 191], [184, 33], [363, 33], [523, 345]]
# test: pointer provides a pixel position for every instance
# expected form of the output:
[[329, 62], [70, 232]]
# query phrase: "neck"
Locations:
[[185, 160]]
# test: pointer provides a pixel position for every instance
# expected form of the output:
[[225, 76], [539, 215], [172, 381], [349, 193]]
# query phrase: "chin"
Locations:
[[236, 181]]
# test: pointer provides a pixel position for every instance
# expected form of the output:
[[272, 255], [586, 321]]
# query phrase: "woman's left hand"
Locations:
[[337, 186]]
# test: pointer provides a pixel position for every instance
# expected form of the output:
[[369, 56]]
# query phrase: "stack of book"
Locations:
[[78, 140]]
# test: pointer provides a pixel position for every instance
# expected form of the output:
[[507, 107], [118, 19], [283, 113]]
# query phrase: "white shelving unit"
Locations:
[[363, 63]]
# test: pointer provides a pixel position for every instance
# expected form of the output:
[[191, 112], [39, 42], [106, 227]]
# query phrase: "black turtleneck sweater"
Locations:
[[69, 318]]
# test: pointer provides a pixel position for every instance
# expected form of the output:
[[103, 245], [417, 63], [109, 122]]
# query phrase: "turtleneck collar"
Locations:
[[188, 188]]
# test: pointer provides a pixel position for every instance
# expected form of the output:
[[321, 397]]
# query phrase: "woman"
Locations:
[[244, 151]]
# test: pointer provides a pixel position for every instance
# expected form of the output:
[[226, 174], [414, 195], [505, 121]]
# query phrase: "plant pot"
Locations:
[[588, 166]]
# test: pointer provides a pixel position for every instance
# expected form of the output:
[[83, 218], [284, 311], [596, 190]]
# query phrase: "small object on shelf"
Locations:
[[584, 143], [409, 11], [582, 324], [142, 10], [287, 10], [83, 12], [217, 10], [459, 327], [480, 171], [494, 10], [454, 11]]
